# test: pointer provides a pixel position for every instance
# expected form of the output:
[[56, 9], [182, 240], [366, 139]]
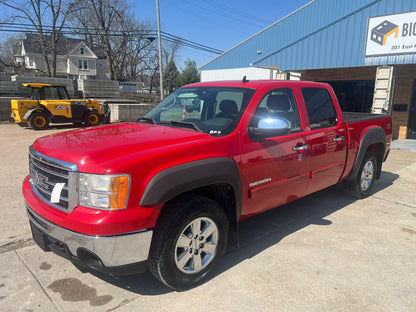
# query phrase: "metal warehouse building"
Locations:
[[366, 49]]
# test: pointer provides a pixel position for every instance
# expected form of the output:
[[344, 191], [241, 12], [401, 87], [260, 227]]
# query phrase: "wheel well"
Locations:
[[43, 110], [223, 194], [377, 149]]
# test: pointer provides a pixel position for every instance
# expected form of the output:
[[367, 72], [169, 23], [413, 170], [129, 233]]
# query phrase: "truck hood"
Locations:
[[94, 148]]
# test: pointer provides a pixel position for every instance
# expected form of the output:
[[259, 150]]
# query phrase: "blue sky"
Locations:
[[214, 23]]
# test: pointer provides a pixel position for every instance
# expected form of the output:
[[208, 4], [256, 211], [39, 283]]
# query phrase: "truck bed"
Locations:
[[357, 124], [350, 117]]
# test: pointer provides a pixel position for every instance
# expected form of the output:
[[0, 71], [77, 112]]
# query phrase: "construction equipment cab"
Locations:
[[51, 104]]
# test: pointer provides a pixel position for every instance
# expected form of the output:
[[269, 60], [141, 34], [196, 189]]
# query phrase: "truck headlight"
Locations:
[[103, 191]]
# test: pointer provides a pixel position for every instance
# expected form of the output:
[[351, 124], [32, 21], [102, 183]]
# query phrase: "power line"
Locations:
[[69, 30], [238, 12], [168, 36], [199, 17], [222, 14]]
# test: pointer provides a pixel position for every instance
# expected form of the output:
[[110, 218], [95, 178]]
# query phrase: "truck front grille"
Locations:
[[46, 173]]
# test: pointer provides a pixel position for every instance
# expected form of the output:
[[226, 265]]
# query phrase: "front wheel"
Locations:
[[361, 185], [38, 121], [91, 118], [189, 241]]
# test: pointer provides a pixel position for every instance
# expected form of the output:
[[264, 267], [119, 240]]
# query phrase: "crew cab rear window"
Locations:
[[320, 108]]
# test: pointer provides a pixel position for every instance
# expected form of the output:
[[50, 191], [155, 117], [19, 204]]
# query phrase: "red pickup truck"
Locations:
[[167, 192]]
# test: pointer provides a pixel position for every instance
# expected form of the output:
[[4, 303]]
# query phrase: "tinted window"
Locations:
[[55, 93], [320, 107], [51, 93], [35, 94], [63, 95]]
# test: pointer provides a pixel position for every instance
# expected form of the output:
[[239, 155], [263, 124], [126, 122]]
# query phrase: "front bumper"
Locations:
[[118, 254]]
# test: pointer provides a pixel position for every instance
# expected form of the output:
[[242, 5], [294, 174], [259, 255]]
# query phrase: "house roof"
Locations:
[[64, 45]]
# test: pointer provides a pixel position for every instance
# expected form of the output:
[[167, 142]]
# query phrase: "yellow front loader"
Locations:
[[51, 104]]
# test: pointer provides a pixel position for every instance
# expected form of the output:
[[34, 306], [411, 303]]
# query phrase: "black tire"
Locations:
[[107, 118], [91, 118], [38, 120], [106, 113], [361, 185], [181, 256]]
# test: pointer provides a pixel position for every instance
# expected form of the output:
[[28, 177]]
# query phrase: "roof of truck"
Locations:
[[254, 84]]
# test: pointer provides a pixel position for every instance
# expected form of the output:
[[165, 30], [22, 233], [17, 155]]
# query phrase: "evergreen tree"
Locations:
[[189, 74], [171, 77]]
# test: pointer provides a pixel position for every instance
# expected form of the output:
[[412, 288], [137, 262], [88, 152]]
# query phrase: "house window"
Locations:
[[83, 64], [81, 51]]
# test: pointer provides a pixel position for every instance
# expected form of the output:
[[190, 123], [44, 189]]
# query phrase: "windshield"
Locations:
[[213, 110]]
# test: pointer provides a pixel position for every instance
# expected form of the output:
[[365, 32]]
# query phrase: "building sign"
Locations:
[[391, 34]]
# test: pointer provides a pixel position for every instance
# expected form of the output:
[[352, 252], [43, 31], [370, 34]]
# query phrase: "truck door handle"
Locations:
[[300, 148], [339, 138]]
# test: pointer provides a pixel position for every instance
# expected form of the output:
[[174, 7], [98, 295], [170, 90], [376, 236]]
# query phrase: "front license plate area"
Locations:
[[39, 237]]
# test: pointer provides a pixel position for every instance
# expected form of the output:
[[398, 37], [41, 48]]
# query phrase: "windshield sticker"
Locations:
[[217, 132]]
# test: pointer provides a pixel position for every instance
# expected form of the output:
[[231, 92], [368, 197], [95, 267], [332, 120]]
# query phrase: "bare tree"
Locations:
[[6, 54], [149, 71], [48, 17], [140, 49], [108, 22], [127, 43], [169, 52]]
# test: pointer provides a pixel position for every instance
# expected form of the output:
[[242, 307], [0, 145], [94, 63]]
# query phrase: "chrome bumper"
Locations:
[[113, 251]]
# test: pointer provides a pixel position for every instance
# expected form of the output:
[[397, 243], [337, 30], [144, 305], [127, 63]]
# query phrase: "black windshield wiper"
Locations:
[[185, 124], [146, 119]]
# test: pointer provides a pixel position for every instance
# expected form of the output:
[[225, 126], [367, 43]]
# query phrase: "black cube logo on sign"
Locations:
[[381, 32]]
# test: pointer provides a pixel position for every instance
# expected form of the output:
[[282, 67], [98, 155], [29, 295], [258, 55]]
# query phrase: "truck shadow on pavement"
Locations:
[[260, 232]]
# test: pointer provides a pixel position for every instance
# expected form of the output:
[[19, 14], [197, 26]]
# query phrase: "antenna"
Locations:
[[245, 79]]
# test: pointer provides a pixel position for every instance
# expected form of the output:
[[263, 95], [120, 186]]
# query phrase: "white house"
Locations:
[[75, 59]]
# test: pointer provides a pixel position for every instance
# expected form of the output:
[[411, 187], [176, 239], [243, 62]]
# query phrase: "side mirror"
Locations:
[[269, 127]]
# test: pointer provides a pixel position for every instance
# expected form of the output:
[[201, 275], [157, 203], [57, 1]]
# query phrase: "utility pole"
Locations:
[[160, 50]]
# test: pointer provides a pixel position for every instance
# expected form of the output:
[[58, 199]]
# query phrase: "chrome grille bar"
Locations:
[[46, 172]]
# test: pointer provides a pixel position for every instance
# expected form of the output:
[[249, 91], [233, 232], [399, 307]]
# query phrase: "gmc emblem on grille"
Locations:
[[40, 179]]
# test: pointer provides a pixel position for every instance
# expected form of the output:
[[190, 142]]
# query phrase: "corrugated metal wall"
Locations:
[[324, 34]]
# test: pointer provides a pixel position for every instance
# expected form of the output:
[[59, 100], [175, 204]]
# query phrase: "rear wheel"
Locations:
[[188, 242], [38, 121], [91, 119], [361, 185]]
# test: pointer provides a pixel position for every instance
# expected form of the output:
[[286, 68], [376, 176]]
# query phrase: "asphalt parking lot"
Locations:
[[325, 252]]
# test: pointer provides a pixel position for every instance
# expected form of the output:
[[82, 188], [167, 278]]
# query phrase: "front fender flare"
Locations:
[[177, 180]]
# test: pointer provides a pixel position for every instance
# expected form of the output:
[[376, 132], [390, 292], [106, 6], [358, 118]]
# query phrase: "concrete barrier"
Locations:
[[99, 88], [5, 109], [128, 111]]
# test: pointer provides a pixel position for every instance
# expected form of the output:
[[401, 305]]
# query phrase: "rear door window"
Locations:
[[320, 108]]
